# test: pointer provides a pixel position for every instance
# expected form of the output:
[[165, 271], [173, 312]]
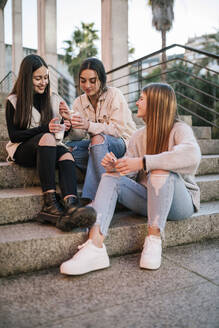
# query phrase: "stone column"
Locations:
[[17, 50], [2, 45], [47, 30], [114, 38], [47, 34]]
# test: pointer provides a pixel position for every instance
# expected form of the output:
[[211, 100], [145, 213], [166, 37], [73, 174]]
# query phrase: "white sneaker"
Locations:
[[88, 258], [151, 254]]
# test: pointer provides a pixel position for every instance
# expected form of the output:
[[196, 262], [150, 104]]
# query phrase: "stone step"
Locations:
[[31, 246], [3, 152], [209, 165], [209, 187], [22, 204], [186, 118], [208, 147], [3, 132], [202, 132], [15, 176]]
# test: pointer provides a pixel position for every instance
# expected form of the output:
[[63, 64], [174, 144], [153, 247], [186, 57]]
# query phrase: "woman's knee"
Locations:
[[96, 140], [159, 172], [47, 139], [158, 178], [66, 156]]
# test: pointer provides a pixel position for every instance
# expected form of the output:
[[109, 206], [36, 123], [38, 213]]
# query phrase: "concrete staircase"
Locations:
[[27, 246]]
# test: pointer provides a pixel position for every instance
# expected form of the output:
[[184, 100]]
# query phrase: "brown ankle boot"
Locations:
[[52, 209], [76, 216]]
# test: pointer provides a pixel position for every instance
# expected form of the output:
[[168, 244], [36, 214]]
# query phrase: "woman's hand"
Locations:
[[67, 125], [79, 122], [54, 127], [64, 110], [127, 165], [109, 161]]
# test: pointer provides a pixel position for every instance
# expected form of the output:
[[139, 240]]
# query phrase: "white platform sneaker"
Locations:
[[88, 258], [151, 254]]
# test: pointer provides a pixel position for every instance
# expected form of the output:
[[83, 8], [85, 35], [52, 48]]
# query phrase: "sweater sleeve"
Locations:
[[184, 157], [16, 134]]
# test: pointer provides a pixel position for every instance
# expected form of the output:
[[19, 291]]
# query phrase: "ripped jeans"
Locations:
[[165, 197], [90, 157]]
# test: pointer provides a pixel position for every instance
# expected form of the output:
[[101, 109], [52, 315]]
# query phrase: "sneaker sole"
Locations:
[[46, 218], [149, 267], [81, 272]]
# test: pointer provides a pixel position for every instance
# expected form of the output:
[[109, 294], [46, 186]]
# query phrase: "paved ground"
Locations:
[[183, 293]]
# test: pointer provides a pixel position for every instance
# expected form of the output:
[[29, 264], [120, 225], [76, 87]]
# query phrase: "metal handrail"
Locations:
[[208, 54], [197, 103], [200, 117], [141, 74], [7, 75]]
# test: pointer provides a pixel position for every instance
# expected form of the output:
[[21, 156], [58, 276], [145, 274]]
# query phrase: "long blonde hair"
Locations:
[[160, 116]]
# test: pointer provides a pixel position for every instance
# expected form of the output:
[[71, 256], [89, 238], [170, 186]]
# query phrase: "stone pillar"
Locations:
[[17, 50], [47, 31], [2, 45], [114, 38], [47, 35]]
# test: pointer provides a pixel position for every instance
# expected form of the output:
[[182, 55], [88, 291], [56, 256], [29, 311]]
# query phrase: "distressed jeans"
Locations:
[[165, 197], [90, 157]]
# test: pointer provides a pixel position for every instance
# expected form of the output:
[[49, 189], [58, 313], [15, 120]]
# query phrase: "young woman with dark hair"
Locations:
[[102, 114], [31, 114], [154, 179]]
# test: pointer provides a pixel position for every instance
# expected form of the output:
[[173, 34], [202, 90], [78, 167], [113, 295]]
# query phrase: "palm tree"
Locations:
[[162, 11], [80, 47]]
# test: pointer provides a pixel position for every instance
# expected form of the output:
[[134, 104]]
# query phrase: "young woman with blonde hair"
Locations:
[[154, 179]]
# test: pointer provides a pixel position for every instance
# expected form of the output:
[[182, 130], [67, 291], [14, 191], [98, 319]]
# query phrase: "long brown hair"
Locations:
[[161, 111], [24, 91]]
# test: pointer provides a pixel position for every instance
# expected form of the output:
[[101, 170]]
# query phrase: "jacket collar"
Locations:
[[85, 102]]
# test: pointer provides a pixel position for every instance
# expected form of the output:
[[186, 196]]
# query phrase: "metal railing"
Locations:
[[6, 85], [196, 84]]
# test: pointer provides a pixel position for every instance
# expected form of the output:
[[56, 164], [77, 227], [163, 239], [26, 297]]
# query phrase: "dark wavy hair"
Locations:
[[24, 91], [97, 66]]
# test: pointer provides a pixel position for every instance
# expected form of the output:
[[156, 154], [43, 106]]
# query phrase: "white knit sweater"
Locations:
[[183, 157]]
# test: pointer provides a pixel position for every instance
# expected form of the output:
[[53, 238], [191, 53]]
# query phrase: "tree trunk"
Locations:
[[164, 57]]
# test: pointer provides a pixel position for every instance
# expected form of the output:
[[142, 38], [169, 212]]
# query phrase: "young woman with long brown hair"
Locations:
[[154, 179], [102, 114], [31, 115]]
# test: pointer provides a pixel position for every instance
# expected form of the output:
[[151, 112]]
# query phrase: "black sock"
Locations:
[[46, 166], [67, 177]]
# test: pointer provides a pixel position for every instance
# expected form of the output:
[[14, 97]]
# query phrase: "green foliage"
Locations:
[[80, 47]]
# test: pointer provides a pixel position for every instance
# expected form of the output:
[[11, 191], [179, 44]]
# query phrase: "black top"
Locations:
[[15, 133]]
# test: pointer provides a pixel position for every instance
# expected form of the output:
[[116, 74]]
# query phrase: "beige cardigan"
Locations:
[[112, 115], [183, 157], [35, 120]]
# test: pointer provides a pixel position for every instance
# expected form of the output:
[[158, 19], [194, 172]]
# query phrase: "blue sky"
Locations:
[[192, 18]]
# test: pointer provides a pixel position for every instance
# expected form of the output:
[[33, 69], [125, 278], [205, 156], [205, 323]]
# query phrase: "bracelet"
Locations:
[[144, 163]]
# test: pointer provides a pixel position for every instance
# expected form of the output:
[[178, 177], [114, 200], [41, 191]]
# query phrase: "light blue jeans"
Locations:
[[90, 157], [165, 197]]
